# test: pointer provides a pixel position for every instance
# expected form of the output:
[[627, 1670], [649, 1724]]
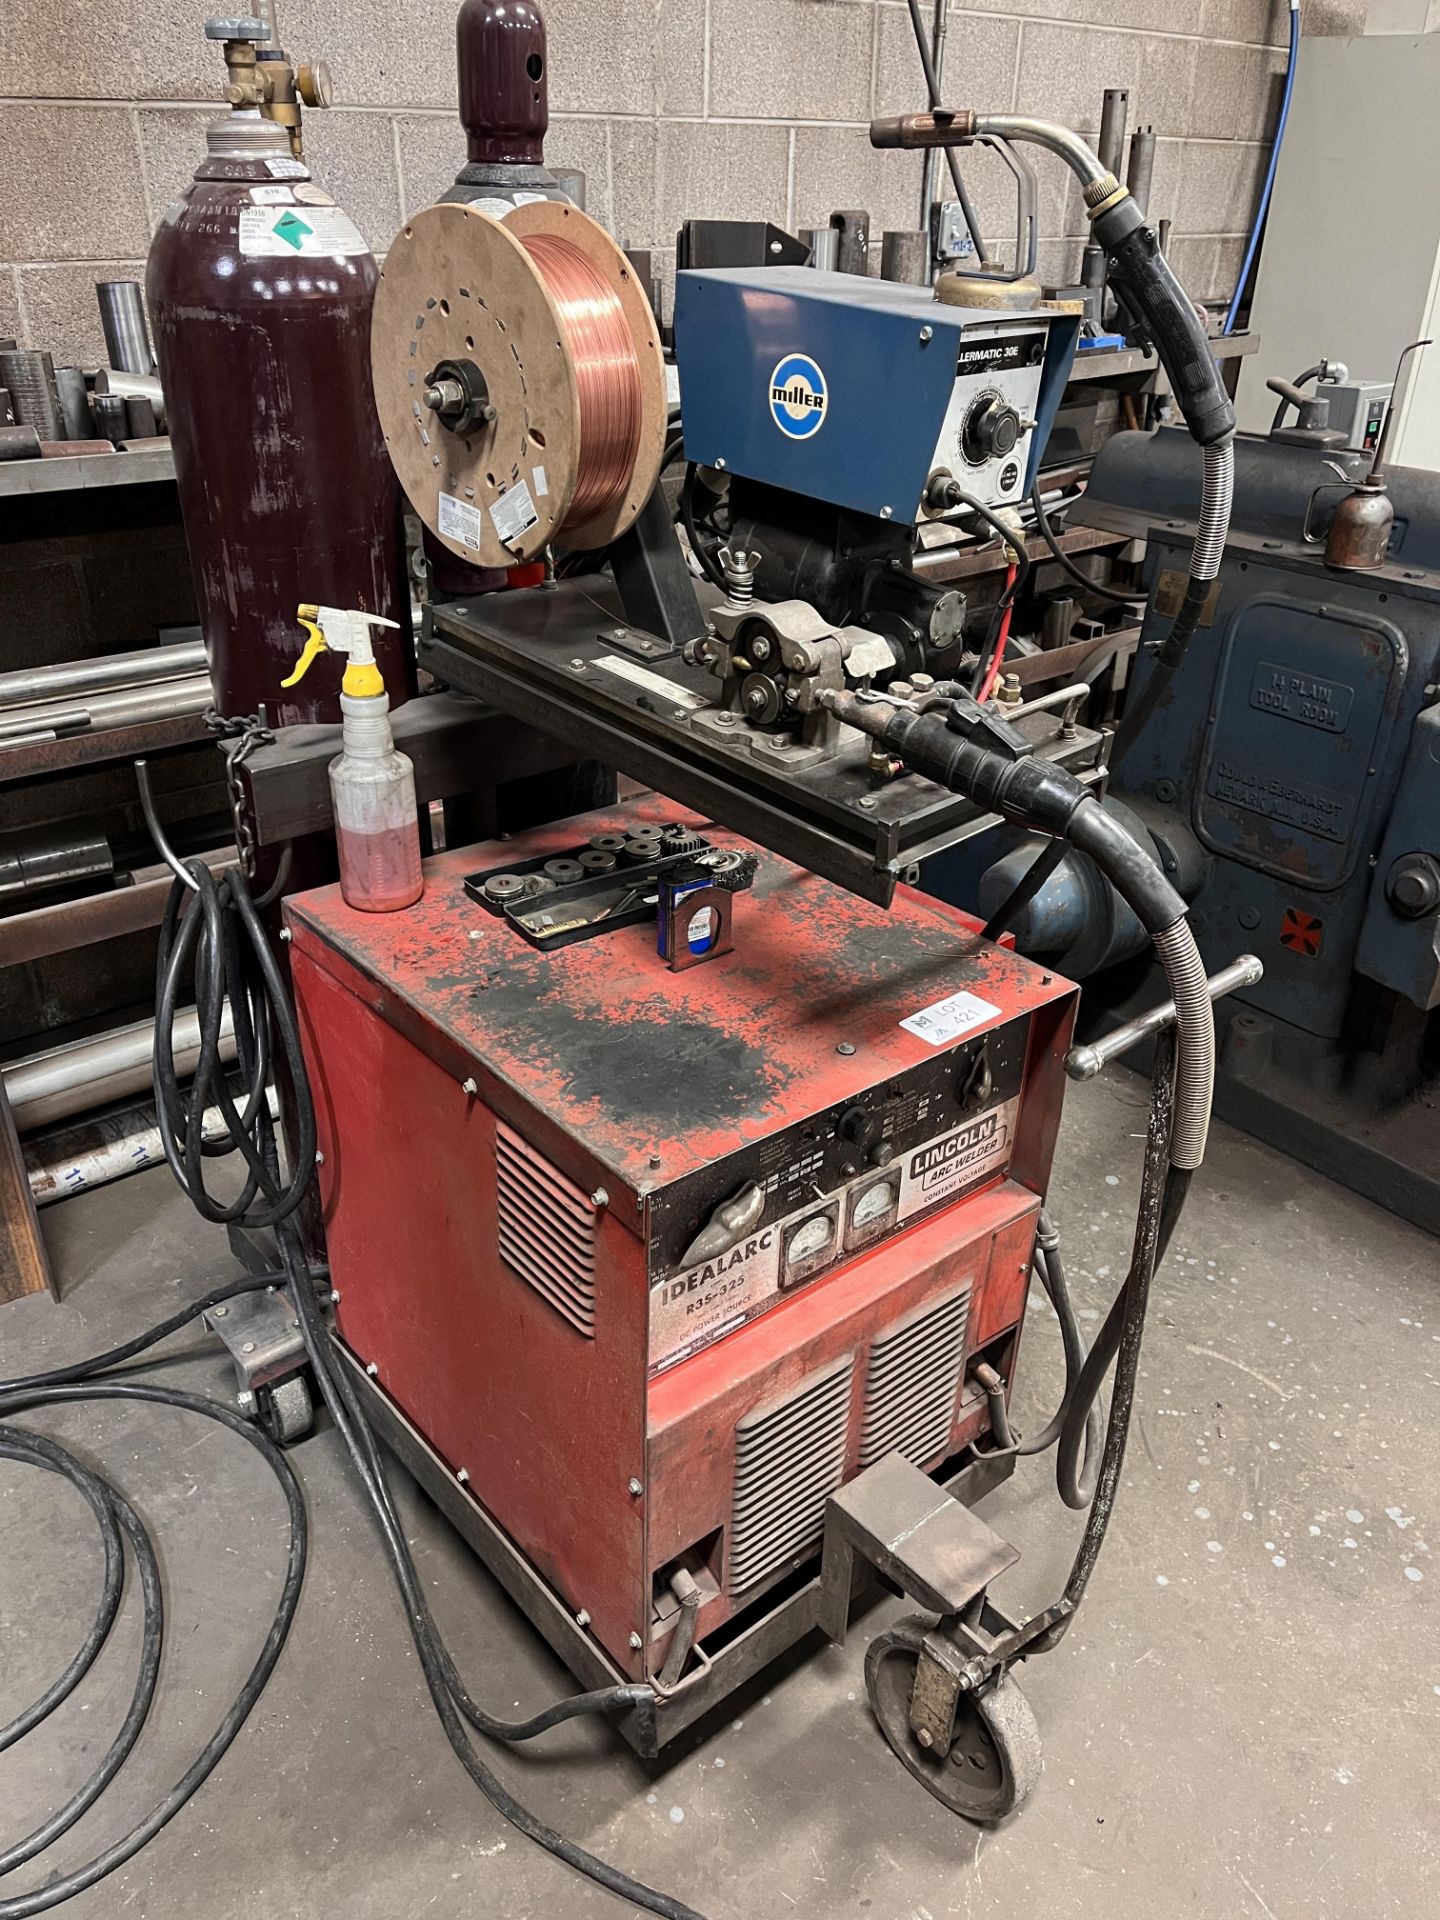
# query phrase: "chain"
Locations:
[[246, 732]]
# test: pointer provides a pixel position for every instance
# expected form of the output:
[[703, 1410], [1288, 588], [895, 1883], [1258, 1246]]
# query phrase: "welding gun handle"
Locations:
[[1083, 1063]]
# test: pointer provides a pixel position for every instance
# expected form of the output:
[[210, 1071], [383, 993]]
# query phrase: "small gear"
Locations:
[[680, 840]]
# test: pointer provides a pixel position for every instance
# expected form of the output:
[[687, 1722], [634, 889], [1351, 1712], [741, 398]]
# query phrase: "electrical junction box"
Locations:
[[660, 1260], [1357, 409], [856, 391]]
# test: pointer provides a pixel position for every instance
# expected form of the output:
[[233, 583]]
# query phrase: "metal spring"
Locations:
[[607, 373]]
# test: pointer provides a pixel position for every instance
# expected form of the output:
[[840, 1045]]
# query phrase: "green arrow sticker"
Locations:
[[293, 230]]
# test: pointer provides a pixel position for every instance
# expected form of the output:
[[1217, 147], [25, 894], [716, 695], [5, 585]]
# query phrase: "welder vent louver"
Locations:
[[911, 1388], [547, 1229], [789, 1459]]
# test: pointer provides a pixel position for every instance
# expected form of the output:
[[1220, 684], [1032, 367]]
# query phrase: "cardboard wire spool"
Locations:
[[572, 425]]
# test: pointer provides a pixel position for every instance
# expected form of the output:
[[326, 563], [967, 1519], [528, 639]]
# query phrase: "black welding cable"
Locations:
[[932, 90], [435, 1662], [1025, 889], [35, 1450], [18, 1444], [216, 931], [113, 1585], [1049, 1268], [1058, 553]]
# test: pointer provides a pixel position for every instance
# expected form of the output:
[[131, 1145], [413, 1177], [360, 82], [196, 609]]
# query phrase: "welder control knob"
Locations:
[[991, 429], [858, 1127], [1413, 885]]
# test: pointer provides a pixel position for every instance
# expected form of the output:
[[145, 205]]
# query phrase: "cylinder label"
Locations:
[[280, 232]]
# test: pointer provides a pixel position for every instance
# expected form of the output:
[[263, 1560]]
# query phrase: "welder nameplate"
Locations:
[[689, 1310], [944, 1168]]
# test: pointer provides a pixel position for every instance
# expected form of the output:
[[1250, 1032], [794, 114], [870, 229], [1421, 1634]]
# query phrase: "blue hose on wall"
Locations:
[[1264, 207]]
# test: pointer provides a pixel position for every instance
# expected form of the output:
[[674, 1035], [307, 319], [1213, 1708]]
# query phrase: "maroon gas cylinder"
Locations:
[[260, 291], [501, 66]]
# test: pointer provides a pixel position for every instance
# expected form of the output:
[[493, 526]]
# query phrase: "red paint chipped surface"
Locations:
[[632, 1060]]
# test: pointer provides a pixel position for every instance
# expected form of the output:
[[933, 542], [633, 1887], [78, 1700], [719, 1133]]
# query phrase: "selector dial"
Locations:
[[991, 431]]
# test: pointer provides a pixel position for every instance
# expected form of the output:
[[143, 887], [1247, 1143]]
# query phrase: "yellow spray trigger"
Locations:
[[342, 630], [313, 646]]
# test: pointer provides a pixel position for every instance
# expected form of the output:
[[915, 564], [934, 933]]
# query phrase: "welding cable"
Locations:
[[932, 92], [214, 929], [1217, 495], [452, 1703], [1076, 1490], [18, 1444], [1058, 554]]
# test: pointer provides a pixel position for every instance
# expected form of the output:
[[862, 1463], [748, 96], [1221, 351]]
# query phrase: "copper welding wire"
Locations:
[[607, 373]]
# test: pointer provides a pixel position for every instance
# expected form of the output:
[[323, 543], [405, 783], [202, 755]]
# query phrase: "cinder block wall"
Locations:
[[751, 108]]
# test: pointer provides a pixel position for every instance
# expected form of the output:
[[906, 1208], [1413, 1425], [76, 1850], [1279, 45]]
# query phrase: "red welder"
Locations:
[[640, 1269]]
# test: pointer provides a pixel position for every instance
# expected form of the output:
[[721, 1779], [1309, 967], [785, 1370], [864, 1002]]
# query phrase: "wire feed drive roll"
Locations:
[[519, 380]]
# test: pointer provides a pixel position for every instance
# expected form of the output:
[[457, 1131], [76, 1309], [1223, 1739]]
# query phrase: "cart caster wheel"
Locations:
[[994, 1761], [286, 1411]]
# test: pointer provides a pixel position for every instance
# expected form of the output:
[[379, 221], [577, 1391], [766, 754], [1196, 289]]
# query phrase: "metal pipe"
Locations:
[[163, 700], [28, 685], [122, 320], [930, 164], [133, 386], [905, 256], [1114, 112], [29, 378], [74, 406], [1083, 1063], [1141, 175], [66, 1080], [824, 245], [106, 1149]]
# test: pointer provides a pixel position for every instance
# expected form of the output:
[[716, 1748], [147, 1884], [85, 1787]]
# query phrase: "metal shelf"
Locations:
[[139, 466], [93, 748]]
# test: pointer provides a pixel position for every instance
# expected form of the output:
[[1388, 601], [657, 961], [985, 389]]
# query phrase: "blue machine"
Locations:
[[856, 392]]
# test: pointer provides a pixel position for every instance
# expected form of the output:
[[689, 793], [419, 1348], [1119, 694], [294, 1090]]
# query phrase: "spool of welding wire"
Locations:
[[519, 380], [29, 378]]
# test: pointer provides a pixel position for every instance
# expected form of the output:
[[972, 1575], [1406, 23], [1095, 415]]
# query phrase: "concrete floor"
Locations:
[[1244, 1722]]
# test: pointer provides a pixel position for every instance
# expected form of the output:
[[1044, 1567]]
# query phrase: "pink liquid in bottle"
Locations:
[[380, 871]]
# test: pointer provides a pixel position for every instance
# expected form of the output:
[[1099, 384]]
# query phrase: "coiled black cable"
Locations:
[[116, 1517], [211, 928]]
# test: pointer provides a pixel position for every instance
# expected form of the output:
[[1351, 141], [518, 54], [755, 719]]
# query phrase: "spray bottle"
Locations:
[[371, 785]]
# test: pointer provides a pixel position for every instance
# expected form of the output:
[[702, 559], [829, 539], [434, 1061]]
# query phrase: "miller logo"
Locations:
[[799, 397]]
